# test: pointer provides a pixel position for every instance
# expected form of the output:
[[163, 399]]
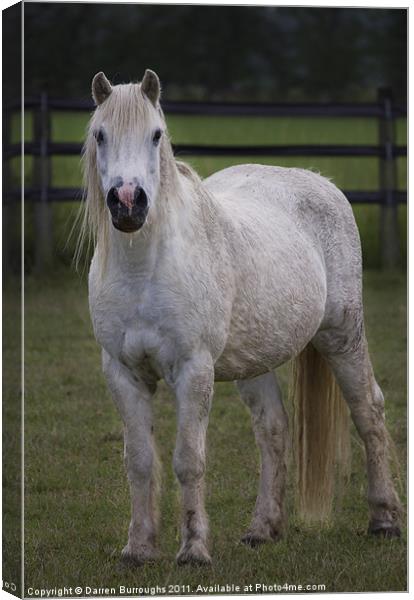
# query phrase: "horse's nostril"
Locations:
[[140, 197], [112, 198]]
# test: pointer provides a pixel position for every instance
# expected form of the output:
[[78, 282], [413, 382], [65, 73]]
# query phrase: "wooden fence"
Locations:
[[386, 151]]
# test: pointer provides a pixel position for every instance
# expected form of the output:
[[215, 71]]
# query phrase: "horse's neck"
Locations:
[[131, 253]]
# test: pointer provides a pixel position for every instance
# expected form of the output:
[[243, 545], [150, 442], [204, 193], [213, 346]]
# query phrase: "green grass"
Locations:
[[348, 173], [11, 446], [77, 502]]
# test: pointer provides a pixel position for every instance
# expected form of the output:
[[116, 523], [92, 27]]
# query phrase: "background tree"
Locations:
[[219, 52]]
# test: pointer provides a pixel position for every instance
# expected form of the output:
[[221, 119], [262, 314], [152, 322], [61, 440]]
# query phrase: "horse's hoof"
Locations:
[[138, 557], [387, 530], [253, 540], [191, 559], [196, 555]]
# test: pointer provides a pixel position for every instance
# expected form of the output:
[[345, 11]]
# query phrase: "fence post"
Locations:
[[389, 234], [41, 171]]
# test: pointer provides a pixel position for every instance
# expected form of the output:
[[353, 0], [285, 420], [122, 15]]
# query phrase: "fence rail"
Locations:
[[232, 109], [71, 148], [74, 194], [384, 111]]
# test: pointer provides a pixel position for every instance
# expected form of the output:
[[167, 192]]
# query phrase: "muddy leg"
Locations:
[[353, 370], [194, 391], [133, 400], [262, 395]]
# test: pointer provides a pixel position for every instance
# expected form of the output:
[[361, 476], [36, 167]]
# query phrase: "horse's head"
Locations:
[[126, 134]]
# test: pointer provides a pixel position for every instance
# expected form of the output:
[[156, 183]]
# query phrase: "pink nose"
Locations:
[[126, 194]]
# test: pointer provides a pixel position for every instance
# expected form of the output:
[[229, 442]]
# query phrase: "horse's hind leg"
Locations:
[[262, 395], [345, 347]]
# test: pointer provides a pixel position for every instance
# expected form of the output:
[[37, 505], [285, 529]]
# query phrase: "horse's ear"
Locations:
[[150, 86], [101, 88]]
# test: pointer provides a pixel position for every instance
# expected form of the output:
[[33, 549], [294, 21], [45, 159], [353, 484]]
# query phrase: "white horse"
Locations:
[[224, 280]]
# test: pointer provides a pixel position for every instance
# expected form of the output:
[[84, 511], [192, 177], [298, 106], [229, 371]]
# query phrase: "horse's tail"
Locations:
[[321, 427]]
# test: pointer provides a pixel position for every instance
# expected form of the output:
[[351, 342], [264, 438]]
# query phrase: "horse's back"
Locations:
[[292, 190]]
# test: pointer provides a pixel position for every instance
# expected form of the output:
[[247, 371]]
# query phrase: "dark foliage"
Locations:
[[218, 52]]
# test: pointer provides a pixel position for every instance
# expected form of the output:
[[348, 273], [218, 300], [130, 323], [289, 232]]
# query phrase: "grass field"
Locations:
[[77, 502], [358, 173]]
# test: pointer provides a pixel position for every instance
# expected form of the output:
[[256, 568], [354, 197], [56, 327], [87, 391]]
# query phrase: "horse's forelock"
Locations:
[[126, 109]]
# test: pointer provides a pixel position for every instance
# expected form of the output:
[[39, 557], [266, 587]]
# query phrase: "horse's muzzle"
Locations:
[[128, 206]]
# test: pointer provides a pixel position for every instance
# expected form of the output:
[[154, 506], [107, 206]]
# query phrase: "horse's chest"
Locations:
[[118, 326], [132, 329]]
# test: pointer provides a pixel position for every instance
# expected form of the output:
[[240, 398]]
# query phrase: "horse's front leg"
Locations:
[[194, 391], [132, 398]]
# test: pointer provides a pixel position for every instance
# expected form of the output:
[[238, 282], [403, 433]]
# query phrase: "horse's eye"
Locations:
[[99, 136], [156, 136]]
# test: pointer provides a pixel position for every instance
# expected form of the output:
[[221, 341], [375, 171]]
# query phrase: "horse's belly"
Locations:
[[263, 345], [272, 323], [245, 360]]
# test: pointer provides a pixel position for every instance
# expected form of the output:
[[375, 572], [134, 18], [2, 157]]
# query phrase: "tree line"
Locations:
[[251, 53]]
